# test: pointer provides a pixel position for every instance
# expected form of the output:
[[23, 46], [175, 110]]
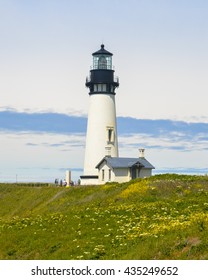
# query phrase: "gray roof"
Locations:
[[119, 162]]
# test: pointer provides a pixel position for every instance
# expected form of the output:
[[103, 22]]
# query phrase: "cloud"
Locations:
[[41, 122], [62, 123], [31, 144], [133, 133], [55, 141], [170, 141], [39, 140]]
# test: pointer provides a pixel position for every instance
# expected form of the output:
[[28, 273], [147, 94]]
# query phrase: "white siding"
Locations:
[[89, 181], [104, 170], [122, 175], [119, 175], [145, 173]]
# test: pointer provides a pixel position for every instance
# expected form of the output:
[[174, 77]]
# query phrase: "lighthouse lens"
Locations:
[[102, 63]]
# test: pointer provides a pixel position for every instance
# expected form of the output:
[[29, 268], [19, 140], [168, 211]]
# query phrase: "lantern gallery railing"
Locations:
[[115, 79], [102, 67]]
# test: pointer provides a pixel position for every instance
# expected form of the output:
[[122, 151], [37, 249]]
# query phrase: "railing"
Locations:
[[88, 79], [115, 79], [108, 67]]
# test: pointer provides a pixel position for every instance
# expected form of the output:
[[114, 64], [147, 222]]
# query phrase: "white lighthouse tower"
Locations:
[[101, 137]]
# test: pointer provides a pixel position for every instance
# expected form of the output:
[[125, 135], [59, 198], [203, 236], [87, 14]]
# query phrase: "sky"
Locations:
[[160, 55]]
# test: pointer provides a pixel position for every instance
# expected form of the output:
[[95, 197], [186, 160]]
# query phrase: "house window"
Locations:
[[103, 174], [109, 175]]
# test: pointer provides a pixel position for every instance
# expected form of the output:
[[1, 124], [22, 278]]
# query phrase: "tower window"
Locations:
[[104, 87], [110, 135], [100, 87], [110, 131], [95, 87]]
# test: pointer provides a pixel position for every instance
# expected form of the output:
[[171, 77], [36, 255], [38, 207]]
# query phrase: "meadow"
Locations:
[[161, 217]]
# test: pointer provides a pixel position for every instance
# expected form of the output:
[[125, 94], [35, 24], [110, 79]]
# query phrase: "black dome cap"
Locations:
[[102, 51]]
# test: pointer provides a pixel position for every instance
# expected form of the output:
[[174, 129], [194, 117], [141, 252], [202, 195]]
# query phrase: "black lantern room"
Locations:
[[101, 79]]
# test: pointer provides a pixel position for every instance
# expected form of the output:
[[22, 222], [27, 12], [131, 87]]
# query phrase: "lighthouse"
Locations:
[[101, 138]]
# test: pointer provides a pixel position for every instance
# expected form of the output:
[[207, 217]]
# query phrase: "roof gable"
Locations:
[[118, 162]]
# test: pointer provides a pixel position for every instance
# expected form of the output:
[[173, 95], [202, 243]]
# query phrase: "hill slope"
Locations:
[[162, 217]]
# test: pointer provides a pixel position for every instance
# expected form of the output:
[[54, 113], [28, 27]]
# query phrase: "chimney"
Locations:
[[141, 153]]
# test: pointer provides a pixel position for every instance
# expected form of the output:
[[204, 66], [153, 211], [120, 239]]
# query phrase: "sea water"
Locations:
[[42, 175], [48, 175]]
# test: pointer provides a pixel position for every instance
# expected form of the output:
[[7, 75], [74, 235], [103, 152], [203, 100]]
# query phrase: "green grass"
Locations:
[[162, 217]]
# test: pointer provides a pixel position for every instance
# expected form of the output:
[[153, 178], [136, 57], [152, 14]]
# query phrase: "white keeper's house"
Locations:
[[102, 162]]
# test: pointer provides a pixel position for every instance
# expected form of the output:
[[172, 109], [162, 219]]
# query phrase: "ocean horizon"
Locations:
[[48, 175]]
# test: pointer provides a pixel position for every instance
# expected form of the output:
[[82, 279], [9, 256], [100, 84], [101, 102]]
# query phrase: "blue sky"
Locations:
[[160, 55]]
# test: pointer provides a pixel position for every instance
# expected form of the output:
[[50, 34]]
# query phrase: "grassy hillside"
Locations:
[[162, 217]]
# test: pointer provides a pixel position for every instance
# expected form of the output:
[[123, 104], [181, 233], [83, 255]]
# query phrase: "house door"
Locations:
[[133, 172]]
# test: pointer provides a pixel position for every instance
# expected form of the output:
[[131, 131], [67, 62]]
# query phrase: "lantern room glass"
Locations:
[[102, 62]]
